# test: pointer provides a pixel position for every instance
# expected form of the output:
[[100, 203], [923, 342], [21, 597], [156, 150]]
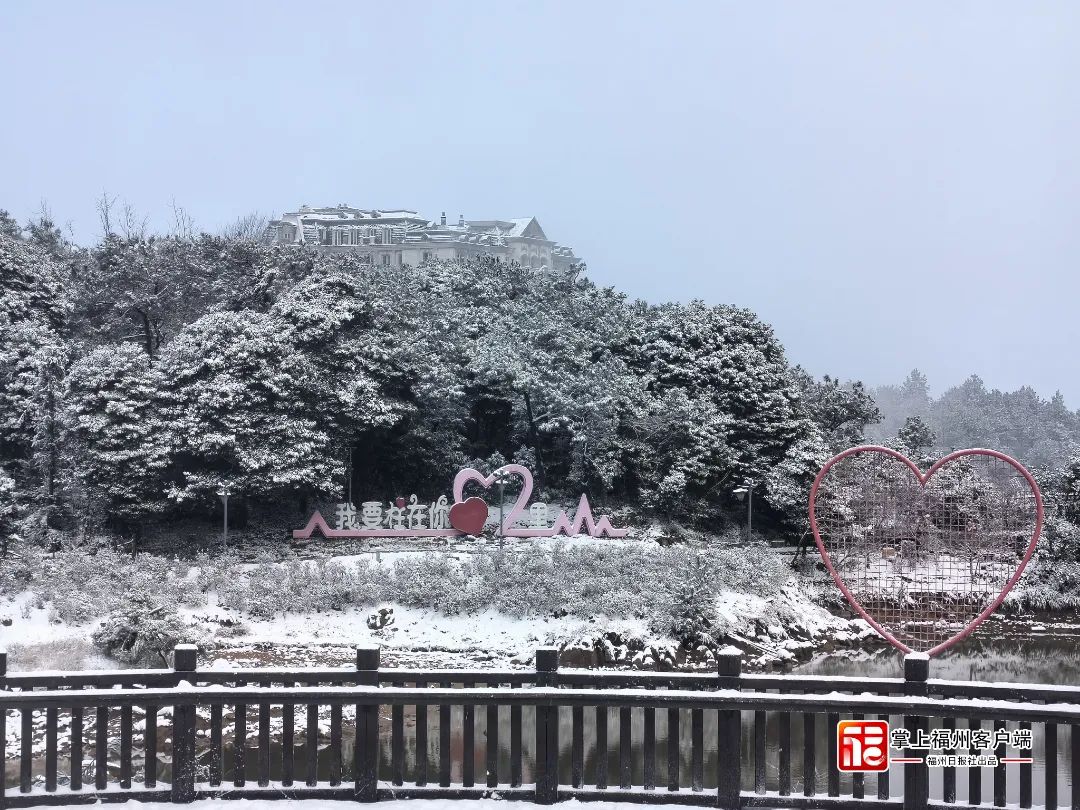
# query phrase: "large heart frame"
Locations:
[[922, 479]]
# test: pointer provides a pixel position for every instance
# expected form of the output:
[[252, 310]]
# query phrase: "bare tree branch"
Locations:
[[248, 228], [183, 222], [104, 206]]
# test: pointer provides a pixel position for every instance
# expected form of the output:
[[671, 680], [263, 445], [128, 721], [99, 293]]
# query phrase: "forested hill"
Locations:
[[1041, 433], [138, 375]]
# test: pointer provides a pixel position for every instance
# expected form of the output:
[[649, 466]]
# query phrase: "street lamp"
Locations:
[[502, 479], [223, 494], [746, 491]]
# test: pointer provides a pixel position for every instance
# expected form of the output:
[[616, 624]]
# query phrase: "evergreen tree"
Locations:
[[842, 412], [9, 227], [233, 388], [120, 441], [915, 436], [31, 286], [33, 361], [729, 364], [45, 234]]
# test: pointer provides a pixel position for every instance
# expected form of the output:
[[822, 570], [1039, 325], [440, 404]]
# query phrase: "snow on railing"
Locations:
[[351, 715]]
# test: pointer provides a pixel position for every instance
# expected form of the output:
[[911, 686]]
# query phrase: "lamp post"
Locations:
[[223, 494], [502, 479], [348, 473], [746, 491]]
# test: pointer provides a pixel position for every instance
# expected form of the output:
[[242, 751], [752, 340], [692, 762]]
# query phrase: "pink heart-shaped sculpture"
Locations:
[[487, 481], [469, 515], [917, 554]]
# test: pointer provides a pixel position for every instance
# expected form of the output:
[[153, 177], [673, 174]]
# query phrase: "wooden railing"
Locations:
[[532, 743]]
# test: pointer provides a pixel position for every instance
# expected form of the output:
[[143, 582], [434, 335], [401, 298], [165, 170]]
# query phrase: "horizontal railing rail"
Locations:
[[722, 699], [726, 739], [788, 682]]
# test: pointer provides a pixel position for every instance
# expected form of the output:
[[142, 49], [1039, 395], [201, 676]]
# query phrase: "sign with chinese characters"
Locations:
[[465, 516], [863, 746]]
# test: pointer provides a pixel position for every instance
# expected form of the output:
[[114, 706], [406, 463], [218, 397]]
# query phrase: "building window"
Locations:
[[386, 259]]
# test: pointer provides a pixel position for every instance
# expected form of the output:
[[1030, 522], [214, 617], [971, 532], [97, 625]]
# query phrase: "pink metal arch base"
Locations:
[[923, 478]]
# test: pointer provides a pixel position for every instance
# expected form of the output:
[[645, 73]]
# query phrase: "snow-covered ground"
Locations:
[[775, 629], [396, 804]]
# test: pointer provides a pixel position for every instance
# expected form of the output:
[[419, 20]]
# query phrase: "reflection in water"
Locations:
[[996, 652]]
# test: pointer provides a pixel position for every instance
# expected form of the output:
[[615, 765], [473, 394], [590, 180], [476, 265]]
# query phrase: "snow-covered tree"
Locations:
[[9, 226], [33, 361], [915, 436], [31, 285], [234, 389], [732, 371], [119, 438], [842, 412]]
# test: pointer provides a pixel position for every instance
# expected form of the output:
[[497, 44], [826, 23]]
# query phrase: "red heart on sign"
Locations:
[[469, 516], [917, 554]]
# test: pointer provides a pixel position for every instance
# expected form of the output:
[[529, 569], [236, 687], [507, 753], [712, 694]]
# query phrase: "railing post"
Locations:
[[916, 775], [366, 756], [3, 719], [183, 731], [547, 729], [728, 733]]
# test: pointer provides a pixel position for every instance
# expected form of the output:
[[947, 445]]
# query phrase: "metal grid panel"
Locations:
[[924, 560]]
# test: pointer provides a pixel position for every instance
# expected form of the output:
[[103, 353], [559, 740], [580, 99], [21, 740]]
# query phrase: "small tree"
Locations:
[[143, 631], [916, 435], [693, 612]]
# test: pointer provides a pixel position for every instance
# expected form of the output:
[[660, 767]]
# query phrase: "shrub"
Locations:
[[143, 631]]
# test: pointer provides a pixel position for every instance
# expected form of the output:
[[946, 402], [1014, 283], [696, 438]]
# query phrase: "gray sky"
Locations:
[[889, 184]]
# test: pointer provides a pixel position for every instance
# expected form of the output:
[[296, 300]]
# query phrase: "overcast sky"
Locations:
[[891, 185]]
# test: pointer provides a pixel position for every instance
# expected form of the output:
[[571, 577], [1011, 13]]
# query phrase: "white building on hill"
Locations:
[[399, 237]]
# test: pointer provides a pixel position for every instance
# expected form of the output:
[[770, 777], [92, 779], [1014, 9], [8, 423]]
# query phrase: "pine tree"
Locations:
[[233, 394], [9, 227], [732, 370], [915, 436], [693, 600], [119, 439], [31, 286]]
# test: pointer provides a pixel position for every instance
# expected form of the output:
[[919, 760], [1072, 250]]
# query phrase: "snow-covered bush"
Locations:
[[429, 580], [674, 588], [83, 585], [143, 630], [267, 589], [1049, 584], [21, 566], [217, 572]]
